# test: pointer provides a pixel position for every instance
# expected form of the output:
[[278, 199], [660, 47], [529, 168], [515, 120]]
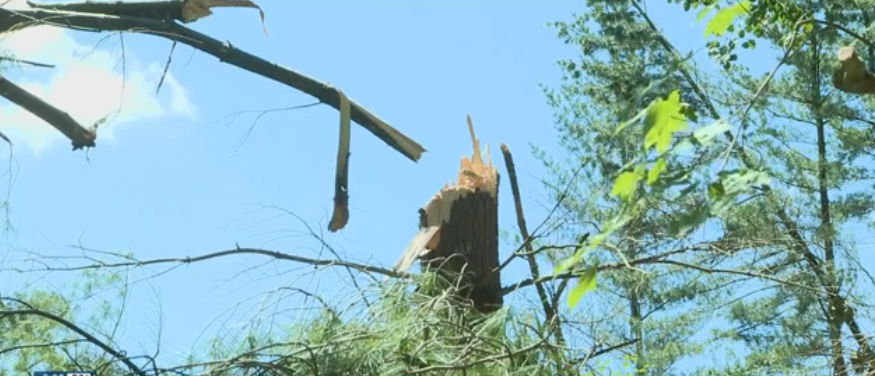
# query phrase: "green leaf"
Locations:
[[705, 135], [716, 191], [585, 283], [658, 168], [719, 24], [626, 183], [664, 118]]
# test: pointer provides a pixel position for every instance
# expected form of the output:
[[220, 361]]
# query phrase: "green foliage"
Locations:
[[722, 21], [35, 343], [664, 118], [766, 193], [626, 183], [585, 283], [404, 332]]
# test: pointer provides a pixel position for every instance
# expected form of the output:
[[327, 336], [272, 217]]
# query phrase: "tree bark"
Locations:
[[458, 234]]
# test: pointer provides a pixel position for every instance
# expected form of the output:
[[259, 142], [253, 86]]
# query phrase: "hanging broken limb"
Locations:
[[225, 52], [341, 180], [59, 119], [181, 10]]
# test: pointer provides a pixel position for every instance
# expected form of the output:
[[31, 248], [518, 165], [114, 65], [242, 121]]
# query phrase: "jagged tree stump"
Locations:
[[852, 76], [458, 232]]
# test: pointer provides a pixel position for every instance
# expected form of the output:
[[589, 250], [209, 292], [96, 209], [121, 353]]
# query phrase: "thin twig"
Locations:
[[26, 62], [166, 66]]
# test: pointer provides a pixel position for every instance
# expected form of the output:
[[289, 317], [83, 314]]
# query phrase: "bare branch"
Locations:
[[79, 135], [227, 53], [238, 251], [549, 311]]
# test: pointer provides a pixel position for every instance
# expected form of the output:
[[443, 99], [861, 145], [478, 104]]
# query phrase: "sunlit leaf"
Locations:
[[658, 168], [719, 24], [585, 283], [627, 183], [664, 118]]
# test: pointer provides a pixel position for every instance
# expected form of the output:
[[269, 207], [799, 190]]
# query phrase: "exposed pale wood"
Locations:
[[341, 181], [458, 233], [852, 76], [424, 240], [185, 11]]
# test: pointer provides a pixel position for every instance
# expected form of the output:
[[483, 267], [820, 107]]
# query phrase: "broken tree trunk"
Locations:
[[458, 232], [852, 76]]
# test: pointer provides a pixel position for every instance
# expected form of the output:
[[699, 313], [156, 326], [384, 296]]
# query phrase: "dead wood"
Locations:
[[341, 180], [62, 121], [181, 10], [458, 232], [225, 52], [852, 76]]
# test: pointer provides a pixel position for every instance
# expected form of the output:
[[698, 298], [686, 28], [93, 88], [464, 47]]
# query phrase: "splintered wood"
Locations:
[[458, 231], [185, 10], [852, 76], [193, 10]]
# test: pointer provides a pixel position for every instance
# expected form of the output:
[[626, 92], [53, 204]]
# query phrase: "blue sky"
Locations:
[[181, 174]]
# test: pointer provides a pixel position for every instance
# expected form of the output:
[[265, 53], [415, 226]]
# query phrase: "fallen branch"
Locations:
[[225, 52]]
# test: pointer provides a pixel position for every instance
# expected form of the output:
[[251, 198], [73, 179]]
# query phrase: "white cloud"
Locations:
[[87, 82]]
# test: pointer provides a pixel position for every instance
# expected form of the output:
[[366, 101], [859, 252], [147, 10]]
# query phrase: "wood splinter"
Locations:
[[181, 10], [458, 231], [852, 76]]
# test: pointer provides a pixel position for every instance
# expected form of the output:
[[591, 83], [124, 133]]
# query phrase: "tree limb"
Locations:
[[79, 135], [549, 310], [239, 251], [225, 52]]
